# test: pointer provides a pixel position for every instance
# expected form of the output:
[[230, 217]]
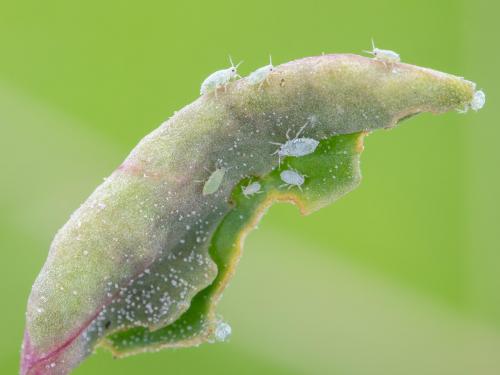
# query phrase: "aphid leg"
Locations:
[[300, 187], [288, 134], [278, 150], [266, 80], [283, 185], [300, 130]]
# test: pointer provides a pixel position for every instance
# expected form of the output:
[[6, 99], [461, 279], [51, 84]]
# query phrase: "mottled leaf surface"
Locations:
[[142, 263]]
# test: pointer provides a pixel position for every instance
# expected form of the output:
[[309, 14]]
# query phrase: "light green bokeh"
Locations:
[[399, 277]]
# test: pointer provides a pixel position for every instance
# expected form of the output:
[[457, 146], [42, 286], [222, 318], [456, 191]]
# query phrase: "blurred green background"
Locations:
[[402, 276]]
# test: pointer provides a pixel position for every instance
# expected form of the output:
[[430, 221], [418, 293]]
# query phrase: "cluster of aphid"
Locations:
[[295, 147], [221, 78]]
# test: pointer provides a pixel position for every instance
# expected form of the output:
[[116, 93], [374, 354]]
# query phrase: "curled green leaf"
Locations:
[[143, 262]]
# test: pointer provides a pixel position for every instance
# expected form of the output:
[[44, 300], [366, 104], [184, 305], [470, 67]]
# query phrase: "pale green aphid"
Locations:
[[220, 78], [214, 181], [261, 75], [384, 55]]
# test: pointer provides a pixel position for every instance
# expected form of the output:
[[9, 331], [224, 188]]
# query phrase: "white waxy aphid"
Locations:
[[251, 189], [261, 75], [214, 181], [478, 100], [222, 331], [220, 78], [292, 178], [384, 55], [296, 146]]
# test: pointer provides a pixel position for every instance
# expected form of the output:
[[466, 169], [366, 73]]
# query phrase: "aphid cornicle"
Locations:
[[296, 146], [292, 178], [214, 181], [384, 55], [251, 189], [261, 75], [220, 78]]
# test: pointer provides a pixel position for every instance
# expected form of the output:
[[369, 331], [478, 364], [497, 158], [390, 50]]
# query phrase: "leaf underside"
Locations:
[[143, 262]]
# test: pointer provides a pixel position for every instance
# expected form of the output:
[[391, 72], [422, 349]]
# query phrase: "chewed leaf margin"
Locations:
[[332, 171]]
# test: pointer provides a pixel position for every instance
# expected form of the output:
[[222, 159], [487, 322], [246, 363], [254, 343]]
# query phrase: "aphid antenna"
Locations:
[[373, 49], [232, 63], [301, 130]]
